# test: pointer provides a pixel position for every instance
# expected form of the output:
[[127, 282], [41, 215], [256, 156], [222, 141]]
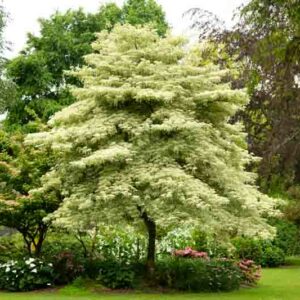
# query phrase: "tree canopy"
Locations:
[[21, 169], [136, 12], [7, 88], [148, 140], [39, 71]]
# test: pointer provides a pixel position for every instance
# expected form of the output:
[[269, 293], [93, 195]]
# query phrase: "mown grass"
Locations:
[[276, 284]]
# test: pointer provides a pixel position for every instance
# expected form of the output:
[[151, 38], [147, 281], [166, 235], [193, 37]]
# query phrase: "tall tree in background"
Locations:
[[148, 141], [39, 71], [266, 41], [65, 38], [7, 88], [273, 32], [137, 12], [42, 88]]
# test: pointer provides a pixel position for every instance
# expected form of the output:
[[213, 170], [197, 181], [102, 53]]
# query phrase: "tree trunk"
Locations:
[[28, 244], [138, 250], [34, 241], [81, 241], [151, 245], [151, 228], [41, 237]]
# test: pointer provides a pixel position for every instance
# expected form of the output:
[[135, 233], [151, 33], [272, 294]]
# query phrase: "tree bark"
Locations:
[[27, 243], [34, 241], [151, 228], [41, 237], [81, 241], [151, 245]]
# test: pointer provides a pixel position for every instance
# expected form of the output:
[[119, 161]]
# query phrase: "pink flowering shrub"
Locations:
[[198, 275], [189, 252], [66, 267], [250, 271]]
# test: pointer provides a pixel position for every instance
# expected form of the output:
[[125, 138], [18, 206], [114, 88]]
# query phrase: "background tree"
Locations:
[[7, 88], [266, 43], [136, 12], [39, 71], [42, 88], [148, 140], [63, 41], [21, 170], [273, 30]]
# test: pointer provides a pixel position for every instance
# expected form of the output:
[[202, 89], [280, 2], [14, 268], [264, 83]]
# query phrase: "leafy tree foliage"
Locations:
[[266, 43], [7, 88], [39, 70], [148, 141], [146, 11], [20, 170], [64, 39], [273, 29], [39, 75]]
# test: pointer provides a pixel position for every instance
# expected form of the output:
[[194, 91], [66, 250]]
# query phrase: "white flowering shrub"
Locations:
[[179, 238], [26, 275], [122, 246]]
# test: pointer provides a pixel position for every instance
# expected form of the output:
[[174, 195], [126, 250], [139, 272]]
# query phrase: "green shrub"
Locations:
[[262, 252], [248, 248], [208, 243], [190, 274], [272, 257], [287, 237], [58, 242], [92, 267], [116, 275], [25, 275], [12, 247], [292, 261], [66, 267]]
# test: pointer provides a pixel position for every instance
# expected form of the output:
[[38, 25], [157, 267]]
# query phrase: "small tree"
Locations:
[[26, 215], [149, 140], [21, 170], [64, 39]]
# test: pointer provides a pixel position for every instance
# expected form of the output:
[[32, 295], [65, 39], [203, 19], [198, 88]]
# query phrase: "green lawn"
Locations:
[[276, 284]]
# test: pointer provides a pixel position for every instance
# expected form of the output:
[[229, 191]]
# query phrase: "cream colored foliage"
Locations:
[[150, 129]]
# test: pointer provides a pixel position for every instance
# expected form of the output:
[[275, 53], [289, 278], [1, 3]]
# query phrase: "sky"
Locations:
[[24, 15]]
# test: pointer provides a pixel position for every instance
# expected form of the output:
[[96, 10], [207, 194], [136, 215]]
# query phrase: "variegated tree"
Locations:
[[149, 141]]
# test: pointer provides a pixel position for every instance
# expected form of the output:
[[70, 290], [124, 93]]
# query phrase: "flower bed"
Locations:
[[191, 270], [25, 275]]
